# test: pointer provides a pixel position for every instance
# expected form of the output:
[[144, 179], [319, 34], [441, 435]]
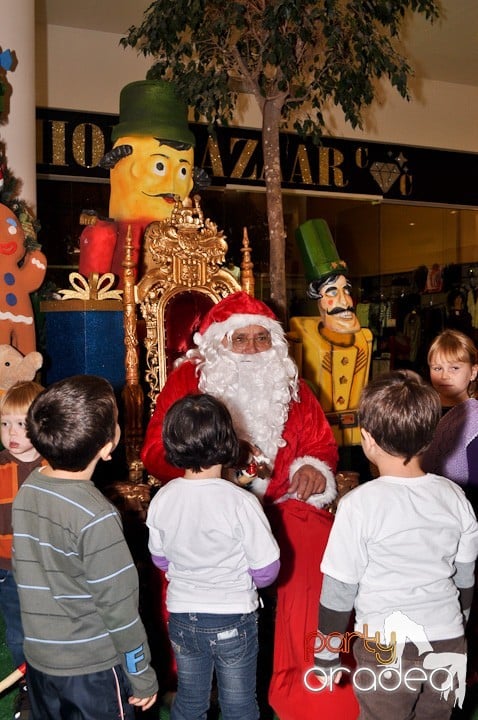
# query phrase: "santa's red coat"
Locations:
[[306, 432]]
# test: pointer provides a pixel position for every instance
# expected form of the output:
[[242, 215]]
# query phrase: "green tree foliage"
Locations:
[[293, 56]]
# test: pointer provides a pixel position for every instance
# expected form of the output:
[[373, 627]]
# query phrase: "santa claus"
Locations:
[[241, 357]]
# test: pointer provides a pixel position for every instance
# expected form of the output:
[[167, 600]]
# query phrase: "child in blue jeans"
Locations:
[[216, 546]]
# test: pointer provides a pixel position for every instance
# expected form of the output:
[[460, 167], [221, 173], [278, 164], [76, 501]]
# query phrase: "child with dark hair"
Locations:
[[216, 546], [85, 645], [402, 552], [17, 460]]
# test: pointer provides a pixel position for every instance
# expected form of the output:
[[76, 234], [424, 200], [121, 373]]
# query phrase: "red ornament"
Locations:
[[251, 470]]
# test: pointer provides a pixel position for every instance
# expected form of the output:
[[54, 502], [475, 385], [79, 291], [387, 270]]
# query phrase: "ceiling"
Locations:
[[446, 50]]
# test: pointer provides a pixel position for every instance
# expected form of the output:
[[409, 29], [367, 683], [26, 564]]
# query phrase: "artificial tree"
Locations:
[[293, 56]]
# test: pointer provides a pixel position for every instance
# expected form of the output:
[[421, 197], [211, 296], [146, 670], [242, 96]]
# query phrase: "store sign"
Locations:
[[72, 143]]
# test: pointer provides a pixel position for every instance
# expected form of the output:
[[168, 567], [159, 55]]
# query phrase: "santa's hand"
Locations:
[[307, 481]]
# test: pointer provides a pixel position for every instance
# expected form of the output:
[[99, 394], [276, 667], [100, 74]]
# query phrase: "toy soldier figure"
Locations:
[[336, 351]]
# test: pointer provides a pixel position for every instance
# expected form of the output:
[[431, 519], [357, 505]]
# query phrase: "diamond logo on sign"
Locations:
[[384, 174]]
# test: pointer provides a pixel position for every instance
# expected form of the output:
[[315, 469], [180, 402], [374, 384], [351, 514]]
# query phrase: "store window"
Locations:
[[414, 268]]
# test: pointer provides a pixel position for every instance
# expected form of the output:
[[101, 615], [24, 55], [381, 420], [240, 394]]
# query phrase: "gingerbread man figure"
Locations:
[[17, 327]]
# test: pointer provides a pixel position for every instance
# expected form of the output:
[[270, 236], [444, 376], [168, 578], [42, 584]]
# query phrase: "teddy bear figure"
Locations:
[[14, 367], [17, 281]]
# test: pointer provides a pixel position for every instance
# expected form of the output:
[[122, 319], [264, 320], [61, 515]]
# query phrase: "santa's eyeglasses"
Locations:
[[240, 342]]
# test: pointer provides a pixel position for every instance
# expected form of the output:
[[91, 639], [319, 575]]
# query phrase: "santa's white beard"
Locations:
[[257, 390]]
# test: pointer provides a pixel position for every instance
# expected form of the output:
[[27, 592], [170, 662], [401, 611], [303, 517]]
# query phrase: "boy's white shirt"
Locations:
[[398, 539]]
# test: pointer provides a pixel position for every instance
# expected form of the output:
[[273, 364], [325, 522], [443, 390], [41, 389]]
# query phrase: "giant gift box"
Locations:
[[84, 337]]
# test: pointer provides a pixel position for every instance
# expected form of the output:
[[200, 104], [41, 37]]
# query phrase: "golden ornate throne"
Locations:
[[184, 255]]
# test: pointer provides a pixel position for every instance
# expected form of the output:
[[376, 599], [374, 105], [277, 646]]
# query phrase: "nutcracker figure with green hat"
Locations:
[[336, 351], [152, 166]]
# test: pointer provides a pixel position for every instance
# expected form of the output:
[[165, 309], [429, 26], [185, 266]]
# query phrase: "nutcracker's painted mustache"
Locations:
[[340, 310], [167, 196]]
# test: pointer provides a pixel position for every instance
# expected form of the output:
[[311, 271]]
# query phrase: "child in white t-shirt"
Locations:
[[215, 543], [401, 552]]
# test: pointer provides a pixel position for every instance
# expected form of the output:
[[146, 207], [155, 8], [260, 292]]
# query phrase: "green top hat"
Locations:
[[319, 254], [151, 107]]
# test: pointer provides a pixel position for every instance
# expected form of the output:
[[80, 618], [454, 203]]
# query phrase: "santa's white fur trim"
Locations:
[[259, 487], [318, 500], [217, 331]]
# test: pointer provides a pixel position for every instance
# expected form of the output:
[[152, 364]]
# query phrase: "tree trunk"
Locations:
[[271, 118]]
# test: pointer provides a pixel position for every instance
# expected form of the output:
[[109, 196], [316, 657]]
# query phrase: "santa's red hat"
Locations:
[[233, 312]]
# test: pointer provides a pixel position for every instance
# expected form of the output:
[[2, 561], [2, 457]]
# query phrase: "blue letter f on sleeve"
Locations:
[[133, 659]]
